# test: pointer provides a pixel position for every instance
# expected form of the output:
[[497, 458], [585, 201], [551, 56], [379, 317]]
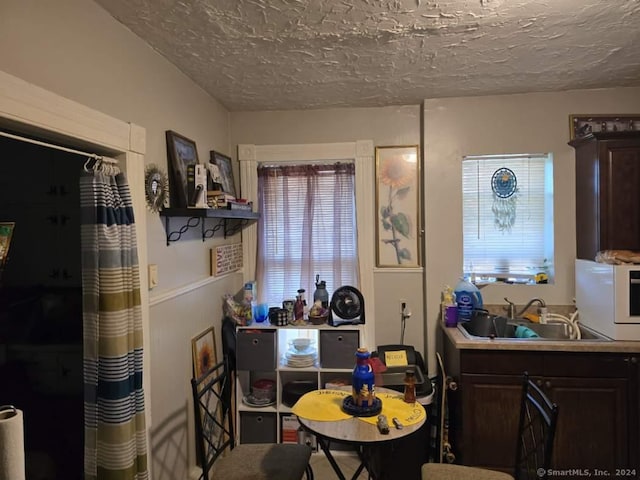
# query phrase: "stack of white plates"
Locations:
[[300, 358]]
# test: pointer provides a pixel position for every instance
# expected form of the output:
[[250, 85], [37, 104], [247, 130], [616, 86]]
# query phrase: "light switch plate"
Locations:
[[153, 275]]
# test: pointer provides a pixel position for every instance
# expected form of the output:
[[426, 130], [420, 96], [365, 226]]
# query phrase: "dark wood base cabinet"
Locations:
[[596, 394]]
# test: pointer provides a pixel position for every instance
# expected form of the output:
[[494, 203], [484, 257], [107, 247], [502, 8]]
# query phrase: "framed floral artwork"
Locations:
[[398, 206], [204, 352]]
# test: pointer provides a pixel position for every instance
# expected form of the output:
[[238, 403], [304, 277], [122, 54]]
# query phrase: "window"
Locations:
[[508, 217], [307, 227]]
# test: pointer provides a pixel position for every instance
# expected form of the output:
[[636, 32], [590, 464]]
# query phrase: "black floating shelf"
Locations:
[[231, 220]]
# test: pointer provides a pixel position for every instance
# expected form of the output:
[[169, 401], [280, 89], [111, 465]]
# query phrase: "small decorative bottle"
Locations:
[[410, 386], [363, 389], [298, 309]]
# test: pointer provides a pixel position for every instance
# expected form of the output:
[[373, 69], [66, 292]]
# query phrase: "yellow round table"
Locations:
[[320, 413]]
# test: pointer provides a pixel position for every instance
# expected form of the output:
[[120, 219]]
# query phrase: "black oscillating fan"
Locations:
[[347, 307]]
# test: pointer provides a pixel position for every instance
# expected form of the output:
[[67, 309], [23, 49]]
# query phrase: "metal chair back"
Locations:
[[212, 404], [536, 432]]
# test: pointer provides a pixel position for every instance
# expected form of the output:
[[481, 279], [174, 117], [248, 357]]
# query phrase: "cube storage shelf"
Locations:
[[260, 354]]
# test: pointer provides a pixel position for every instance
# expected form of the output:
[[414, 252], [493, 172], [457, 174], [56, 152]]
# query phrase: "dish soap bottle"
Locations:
[[449, 307], [468, 298]]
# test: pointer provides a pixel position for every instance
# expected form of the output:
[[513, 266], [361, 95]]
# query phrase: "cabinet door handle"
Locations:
[[539, 382], [547, 384], [633, 360]]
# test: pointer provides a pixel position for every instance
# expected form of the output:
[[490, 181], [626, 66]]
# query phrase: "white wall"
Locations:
[[536, 122], [385, 126], [75, 49]]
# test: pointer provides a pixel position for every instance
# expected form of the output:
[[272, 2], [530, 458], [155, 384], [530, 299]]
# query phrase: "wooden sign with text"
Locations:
[[226, 259]]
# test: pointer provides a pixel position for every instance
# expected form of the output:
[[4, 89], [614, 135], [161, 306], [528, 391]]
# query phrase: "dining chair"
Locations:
[[217, 453], [536, 432]]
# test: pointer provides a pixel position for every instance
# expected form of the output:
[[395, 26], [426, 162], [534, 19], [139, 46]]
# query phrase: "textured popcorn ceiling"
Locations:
[[299, 54]]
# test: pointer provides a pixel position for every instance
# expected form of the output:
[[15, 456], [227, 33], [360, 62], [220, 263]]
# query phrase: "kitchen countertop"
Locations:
[[613, 346]]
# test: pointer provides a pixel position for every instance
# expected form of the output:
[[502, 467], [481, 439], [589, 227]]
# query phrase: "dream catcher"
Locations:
[[505, 198]]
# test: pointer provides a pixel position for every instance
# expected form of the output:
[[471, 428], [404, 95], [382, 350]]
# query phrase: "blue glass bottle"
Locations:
[[363, 389]]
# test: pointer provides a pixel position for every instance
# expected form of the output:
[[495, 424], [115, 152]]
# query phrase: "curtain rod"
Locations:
[[58, 147]]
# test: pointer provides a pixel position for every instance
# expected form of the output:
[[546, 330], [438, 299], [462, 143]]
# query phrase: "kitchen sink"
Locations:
[[503, 328]]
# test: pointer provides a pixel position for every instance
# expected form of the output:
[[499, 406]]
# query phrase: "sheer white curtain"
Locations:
[[307, 227]]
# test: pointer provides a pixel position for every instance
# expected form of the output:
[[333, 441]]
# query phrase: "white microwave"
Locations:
[[608, 298]]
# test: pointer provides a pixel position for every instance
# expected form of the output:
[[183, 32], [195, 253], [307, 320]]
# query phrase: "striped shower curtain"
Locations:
[[114, 416]]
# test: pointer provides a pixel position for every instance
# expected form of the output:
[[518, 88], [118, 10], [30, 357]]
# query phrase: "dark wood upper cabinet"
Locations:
[[607, 192]]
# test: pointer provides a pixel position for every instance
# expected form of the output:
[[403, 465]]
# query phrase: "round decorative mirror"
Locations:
[[156, 187]]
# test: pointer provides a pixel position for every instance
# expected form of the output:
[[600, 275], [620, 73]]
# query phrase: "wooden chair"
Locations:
[[536, 431], [216, 451]]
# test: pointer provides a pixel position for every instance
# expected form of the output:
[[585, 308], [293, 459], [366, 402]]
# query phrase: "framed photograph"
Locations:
[[226, 172], [398, 206], [204, 358], [584, 124], [204, 352], [181, 153], [6, 233]]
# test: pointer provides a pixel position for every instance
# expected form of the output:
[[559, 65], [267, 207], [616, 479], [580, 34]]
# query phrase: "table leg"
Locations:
[[324, 444], [327, 453]]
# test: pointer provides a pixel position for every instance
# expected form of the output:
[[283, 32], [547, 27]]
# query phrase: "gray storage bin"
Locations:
[[256, 350], [258, 427], [338, 348]]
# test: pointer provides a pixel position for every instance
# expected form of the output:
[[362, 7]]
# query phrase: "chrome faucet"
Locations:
[[511, 308]]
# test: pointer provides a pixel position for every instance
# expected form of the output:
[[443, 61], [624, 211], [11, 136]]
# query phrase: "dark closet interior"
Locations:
[[41, 305]]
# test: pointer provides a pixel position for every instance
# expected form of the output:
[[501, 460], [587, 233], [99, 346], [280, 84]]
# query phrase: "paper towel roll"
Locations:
[[11, 444]]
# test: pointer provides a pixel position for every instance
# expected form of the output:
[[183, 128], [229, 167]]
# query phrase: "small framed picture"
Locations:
[[584, 124], [6, 233], [181, 153], [226, 172], [204, 352]]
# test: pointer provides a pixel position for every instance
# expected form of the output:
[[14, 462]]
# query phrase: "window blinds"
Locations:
[[522, 249], [307, 227]]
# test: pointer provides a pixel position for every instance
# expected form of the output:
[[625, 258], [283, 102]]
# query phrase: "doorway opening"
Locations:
[[41, 305]]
